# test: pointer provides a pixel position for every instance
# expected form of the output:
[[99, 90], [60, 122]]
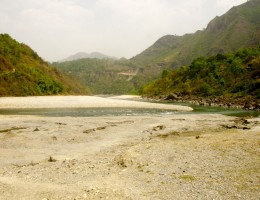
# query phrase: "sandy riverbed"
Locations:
[[129, 157], [82, 102]]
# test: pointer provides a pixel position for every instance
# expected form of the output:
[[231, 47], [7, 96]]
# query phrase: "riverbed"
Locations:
[[169, 154]]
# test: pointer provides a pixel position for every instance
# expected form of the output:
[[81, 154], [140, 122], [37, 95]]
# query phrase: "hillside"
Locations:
[[232, 76], [239, 27], [81, 55], [102, 76], [23, 73]]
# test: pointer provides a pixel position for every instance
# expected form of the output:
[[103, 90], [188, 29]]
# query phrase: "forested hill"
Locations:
[[23, 73], [234, 75], [102, 76], [239, 27]]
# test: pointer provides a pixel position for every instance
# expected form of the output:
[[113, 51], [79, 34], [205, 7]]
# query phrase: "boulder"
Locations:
[[171, 97]]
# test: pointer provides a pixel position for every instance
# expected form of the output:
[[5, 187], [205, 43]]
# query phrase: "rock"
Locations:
[[89, 130], [248, 106], [36, 129], [257, 107], [159, 127], [101, 128], [245, 128], [51, 159], [119, 160], [229, 104], [59, 123], [202, 103], [230, 126], [54, 138], [171, 97]]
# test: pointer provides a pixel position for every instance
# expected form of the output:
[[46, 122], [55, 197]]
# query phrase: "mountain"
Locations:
[[239, 27], [102, 76], [23, 73], [81, 55]]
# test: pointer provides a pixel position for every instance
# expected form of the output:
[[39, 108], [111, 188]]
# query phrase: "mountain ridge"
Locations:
[[82, 55], [239, 27]]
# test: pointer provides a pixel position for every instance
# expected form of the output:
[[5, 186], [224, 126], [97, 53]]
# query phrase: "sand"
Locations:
[[128, 157], [82, 102]]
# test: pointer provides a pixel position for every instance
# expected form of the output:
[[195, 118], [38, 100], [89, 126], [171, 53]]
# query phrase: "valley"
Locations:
[[180, 120]]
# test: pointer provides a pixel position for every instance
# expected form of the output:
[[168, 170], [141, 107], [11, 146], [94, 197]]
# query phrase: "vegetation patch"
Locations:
[[187, 177], [102, 76], [232, 75], [24, 73]]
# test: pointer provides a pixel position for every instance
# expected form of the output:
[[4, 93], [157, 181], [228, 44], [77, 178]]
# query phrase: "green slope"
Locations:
[[239, 27], [234, 75], [23, 73], [103, 76]]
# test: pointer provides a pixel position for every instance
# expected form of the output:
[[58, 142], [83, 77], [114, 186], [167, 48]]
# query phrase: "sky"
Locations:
[[56, 29]]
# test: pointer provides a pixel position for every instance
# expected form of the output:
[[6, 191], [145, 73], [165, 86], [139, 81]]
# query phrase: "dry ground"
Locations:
[[156, 157]]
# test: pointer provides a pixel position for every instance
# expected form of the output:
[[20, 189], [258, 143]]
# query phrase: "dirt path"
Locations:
[[157, 157]]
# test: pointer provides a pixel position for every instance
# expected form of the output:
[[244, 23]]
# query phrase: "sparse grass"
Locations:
[[187, 177]]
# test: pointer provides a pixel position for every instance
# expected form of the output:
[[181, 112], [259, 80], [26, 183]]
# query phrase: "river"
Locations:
[[105, 111]]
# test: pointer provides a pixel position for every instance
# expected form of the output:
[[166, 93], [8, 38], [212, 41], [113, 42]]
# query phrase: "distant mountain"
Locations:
[[239, 27], [102, 76], [81, 55], [24, 73]]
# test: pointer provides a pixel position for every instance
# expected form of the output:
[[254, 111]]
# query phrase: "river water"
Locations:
[[99, 112]]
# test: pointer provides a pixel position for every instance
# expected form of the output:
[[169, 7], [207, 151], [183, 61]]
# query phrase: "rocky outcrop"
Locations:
[[245, 103]]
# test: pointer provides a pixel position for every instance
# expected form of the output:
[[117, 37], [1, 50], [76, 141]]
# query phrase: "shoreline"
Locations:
[[240, 103]]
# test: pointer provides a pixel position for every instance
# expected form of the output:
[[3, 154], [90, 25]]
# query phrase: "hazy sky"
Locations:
[[56, 29]]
